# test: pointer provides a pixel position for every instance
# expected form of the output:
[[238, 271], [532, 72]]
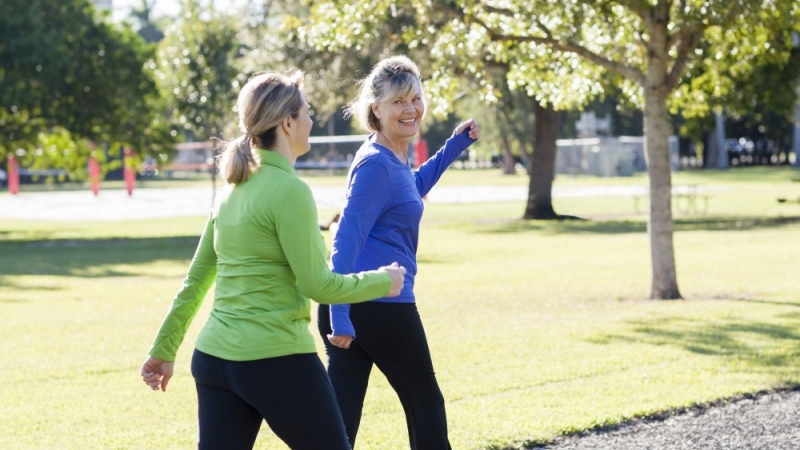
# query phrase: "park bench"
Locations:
[[687, 199]]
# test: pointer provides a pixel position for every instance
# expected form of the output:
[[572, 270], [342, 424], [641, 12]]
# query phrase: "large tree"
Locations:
[[197, 73], [62, 67], [534, 128], [557, 52]]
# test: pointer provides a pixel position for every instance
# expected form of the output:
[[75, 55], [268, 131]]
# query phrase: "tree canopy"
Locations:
[[63, 67], [557, 52], [196, 71]]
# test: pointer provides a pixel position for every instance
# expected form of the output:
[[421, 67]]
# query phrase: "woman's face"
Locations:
[[400, 117], [300, 145]]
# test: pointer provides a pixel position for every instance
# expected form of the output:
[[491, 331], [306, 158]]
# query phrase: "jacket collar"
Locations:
[[270, 158]]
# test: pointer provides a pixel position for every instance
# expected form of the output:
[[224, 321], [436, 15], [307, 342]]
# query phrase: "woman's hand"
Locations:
[[156, 373], [472, 125], [398, 274], [340, 341]]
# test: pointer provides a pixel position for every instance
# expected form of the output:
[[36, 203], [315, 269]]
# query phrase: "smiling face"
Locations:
[[400, 115]]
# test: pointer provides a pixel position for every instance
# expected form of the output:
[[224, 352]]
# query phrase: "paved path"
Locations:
[[149, 203], [764, 422]]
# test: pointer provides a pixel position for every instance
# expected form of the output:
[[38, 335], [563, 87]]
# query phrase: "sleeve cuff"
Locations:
[[340, 322]]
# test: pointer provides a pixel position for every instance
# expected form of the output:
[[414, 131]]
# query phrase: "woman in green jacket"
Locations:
[[255, 358]]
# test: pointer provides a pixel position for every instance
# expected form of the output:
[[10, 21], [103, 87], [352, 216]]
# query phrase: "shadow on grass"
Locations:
[[758, 345], [89, 258], [10, 285], [755, 345], [638, 226]]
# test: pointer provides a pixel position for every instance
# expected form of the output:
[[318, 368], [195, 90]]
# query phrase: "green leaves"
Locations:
[[557, 50], [196, 73], [63, 69]]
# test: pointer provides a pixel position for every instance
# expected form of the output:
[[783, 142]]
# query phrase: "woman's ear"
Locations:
[[375, 111], [286, 124]]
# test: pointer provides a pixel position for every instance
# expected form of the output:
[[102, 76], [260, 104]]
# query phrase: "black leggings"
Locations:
[[292, 393], [391, 336]]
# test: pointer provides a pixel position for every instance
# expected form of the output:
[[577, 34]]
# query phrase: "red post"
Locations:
[[94, 175], [13, 175], [420, 151], [128, 172]]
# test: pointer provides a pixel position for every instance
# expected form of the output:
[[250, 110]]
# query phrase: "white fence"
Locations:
[[607, 156]]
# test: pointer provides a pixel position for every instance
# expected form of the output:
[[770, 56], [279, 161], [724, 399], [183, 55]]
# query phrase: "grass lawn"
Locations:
[[536, 328]]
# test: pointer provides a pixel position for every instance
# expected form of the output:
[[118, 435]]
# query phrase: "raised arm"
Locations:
[[429, 172]]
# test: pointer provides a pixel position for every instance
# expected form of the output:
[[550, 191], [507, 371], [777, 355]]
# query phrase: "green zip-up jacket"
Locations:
[[263, 248]]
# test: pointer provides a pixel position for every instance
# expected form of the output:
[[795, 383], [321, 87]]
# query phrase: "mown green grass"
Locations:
[[536, 328]]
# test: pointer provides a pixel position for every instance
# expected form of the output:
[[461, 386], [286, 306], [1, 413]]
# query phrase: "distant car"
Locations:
[[149, 168], [740, 151]]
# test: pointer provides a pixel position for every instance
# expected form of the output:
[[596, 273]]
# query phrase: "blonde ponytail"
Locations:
[[237, 162], [263, 103]]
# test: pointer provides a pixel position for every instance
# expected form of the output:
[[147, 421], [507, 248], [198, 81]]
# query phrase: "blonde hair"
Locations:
[[392, 77], [263, 103]]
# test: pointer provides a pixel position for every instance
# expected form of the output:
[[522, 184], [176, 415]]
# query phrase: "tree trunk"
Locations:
[[710, 152], [660, 224], [543, 165], [795, 134], [507, 161], [719, 132]]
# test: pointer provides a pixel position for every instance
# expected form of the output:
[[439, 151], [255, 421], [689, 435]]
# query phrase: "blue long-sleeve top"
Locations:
[[380, 220]]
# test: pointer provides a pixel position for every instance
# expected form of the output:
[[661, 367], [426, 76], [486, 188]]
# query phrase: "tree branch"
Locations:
[[544, 29], [682, 35], [641, 8], [687, 39], [494, 9], [727, 18], [556, 44]]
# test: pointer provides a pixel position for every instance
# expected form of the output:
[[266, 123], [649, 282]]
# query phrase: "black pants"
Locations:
[[391, 336], [292, 393]]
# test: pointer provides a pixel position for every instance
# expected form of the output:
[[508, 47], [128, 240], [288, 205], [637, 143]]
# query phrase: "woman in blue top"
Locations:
[[380, 225]]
